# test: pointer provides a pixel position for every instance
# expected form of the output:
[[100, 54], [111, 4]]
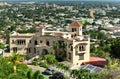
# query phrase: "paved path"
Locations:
[[35, 68]]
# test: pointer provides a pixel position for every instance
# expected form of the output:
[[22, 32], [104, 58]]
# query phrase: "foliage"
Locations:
[[21, 72], [2, 46], [36, 75], [35, 61], [62, 66], [59, 50], [43, 64], [27, 57], [84, 74], [16, 76], [15, 59], [113, 63], [5, 68], [115, 47], [29, 74], [49, 58]]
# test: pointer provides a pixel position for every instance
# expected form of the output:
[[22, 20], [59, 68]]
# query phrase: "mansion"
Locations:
[[76, 44]]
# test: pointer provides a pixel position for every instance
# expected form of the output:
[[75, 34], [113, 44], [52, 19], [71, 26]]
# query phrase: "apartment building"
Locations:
[[41, 42]]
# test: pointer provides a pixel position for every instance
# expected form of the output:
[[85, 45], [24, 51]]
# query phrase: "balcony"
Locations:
[[78, 52]]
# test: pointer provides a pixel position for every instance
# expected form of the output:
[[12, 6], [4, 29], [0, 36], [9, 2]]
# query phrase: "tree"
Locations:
[[15, 59], [16, 76], [115, 47], [29, 74], [37, 75], [59, 51], [84, 74], [2, 46], [49, 58], [5, 68]]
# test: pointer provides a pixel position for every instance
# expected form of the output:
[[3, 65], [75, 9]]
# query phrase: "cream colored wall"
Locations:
[[86, 55], [79, 29], [21, 48], [67, 35]]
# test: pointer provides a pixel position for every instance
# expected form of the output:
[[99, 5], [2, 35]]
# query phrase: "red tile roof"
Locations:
[[75, 23], [40, 27], [97, 61]]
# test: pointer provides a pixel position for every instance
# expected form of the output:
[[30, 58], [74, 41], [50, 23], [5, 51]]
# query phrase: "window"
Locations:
[[14, 49], [82, 48], [30, 41], [41, 41], [74, 30], [34, 50], [47, 43], [81, 56], [21, 42], [13, 41], [71, 48], [69, 55], [28, 50], [35, 42]]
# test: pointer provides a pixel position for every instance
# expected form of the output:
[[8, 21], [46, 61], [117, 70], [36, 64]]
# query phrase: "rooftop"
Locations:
[[76, 23], [97, 61], [18, 34]]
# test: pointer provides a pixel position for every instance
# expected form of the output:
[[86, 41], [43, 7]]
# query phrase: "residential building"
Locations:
[[41, 42]]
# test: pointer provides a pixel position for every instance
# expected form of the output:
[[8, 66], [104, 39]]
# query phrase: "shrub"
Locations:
[[44, 65]]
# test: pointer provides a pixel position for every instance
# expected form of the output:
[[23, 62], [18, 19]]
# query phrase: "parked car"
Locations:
[[49, 71], [58, 75]]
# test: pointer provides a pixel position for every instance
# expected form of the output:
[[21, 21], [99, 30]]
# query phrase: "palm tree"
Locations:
[[15, 59]]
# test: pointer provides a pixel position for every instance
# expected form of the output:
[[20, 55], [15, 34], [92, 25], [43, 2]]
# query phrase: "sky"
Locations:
[[59, 0]]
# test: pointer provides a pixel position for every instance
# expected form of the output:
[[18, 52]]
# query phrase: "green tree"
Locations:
[[115, 47], [2, 46], [5, 68], [29, 74], [49, 58], [59, 51], [15, 59]]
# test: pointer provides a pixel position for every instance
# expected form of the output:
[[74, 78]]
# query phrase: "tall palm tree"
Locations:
[[15, 59]]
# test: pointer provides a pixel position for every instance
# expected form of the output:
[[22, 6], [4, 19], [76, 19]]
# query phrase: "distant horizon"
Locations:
[[54, 0]]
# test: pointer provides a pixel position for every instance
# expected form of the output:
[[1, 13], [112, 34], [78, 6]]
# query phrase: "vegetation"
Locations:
[[2, 46], [13, 68], [84, 74], [59, 50]]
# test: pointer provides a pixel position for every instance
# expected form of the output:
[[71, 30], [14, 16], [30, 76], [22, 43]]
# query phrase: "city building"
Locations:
[[76, 44], [91, 13]]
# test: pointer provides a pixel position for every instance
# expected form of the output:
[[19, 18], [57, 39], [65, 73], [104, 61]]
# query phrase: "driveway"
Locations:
[[41, 69]]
